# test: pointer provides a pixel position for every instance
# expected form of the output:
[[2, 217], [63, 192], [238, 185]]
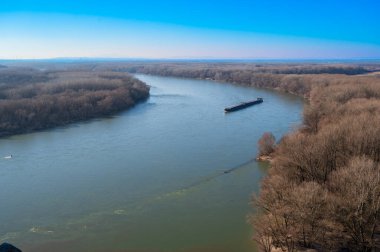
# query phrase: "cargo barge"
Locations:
[[243, 105]]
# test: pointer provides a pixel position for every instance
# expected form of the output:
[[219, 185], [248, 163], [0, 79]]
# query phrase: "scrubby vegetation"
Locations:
[[33, 100]]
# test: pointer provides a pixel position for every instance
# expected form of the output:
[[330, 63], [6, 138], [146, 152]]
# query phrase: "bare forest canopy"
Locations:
[[293, 78], [32, 99], [323, 188]]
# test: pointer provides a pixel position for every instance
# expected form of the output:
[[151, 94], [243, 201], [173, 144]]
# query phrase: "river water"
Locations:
[[149, 179]]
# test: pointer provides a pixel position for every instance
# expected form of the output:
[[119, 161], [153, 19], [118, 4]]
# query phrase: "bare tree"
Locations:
[[266, 143]]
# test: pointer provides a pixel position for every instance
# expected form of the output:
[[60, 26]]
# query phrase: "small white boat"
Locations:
[[8, 157]]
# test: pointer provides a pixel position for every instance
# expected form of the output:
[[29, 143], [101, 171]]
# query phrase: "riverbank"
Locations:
[[294, 78], [33, 100], [329, 166], [264, 158], [318, 170]]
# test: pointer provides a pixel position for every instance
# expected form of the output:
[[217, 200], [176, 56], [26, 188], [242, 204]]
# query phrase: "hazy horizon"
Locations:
[[209, 59]]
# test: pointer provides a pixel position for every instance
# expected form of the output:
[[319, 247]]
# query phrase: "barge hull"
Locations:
[[243, 105]]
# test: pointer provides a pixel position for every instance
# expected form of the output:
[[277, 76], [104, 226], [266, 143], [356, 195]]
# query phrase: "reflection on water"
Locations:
[[172, 174]]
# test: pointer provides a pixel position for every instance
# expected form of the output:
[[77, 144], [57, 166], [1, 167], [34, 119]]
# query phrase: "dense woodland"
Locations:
[[323, 189], [32, 100]]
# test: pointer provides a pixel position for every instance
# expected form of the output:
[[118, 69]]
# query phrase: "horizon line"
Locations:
[[185, 59]]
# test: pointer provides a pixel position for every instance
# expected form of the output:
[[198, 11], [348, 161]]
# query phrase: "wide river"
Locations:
[[149, 179]]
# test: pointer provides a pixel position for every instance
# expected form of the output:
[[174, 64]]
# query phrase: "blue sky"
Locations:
[[271, 29]]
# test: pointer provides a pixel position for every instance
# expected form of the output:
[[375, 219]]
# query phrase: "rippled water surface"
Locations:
[[149, 179]]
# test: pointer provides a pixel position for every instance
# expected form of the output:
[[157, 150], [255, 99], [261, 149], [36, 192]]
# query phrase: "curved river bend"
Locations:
[[149, 179]]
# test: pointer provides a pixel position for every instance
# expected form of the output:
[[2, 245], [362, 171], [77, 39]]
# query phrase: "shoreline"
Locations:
[[265, 158]]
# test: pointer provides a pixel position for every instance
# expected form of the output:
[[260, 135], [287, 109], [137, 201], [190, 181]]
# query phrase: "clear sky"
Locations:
[[243, 29]]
